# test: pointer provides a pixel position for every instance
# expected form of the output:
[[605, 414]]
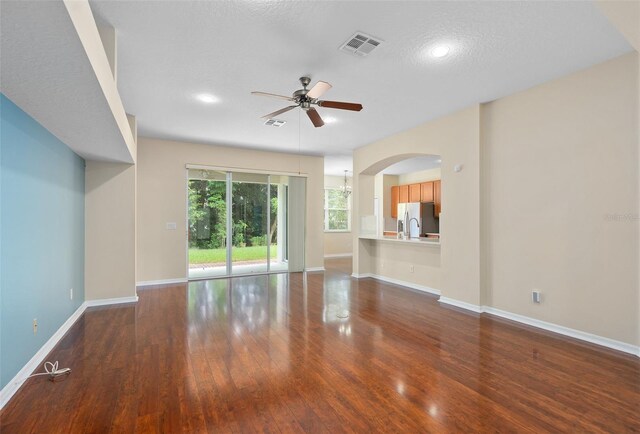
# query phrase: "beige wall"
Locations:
[[162, 199], [456, 139], [337, 243], [420, 176], [110, 260], [625, 15], [558, 161], [545, 173], [392, 260]]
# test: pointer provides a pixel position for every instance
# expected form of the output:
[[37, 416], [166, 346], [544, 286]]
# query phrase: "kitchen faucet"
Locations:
[[409, 225]]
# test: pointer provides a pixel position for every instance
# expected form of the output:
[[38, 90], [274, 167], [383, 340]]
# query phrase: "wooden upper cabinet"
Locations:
[[437, 197], [403, 196], [395, 197], [414, 193], [426, 192], [421, 192]]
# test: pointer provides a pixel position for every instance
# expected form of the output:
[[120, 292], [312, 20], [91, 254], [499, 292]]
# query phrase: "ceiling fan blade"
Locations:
[[273, 95], [318, 89], [315, 118], [341, 105], [279, 112]]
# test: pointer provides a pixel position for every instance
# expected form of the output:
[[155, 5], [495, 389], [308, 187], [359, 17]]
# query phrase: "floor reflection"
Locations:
[[309, 352]]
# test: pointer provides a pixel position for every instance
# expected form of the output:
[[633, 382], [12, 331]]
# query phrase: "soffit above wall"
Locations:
[[45, 70]]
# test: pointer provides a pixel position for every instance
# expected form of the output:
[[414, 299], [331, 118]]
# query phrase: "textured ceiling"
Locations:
[[45, 70], [170, 51]]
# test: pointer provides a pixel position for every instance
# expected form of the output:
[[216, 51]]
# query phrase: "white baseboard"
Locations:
[[314, 269], [555, 328], [566, 331], [162, 282], [461, 304], [361, 276], [338, 255], [109, 301], [16, 382], [405, 283]]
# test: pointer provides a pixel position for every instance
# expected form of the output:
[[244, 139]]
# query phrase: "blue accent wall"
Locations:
[[41, 236]]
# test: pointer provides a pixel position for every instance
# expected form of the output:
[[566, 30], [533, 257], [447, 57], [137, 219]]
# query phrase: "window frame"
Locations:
[[327, 209]]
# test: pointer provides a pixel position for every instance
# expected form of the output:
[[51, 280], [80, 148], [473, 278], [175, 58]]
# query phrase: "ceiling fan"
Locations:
[[305, 98]]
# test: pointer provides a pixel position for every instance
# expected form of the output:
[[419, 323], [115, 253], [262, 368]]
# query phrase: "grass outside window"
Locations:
[[240, 254]]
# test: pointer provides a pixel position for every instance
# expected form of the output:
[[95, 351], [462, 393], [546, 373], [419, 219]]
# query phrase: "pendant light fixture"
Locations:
[[346, 188]]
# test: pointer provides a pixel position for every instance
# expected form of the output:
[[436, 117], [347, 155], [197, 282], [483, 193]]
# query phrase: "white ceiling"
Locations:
[[415, 164], [337, 164], [170, 51]]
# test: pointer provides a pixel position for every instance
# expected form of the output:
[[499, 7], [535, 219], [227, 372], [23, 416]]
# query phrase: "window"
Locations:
[[337, 211]]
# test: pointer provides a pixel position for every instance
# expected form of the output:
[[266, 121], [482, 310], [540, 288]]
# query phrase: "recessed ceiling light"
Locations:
[[329, 120], [440, 51], [206, 98]]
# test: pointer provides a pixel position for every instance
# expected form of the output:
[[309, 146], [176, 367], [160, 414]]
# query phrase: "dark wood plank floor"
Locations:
[[273, 354]]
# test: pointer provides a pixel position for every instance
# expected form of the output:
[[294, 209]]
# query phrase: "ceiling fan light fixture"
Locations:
[[305, 99]]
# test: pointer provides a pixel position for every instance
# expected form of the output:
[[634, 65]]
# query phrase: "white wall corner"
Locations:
[[110, 44], [133, 124]]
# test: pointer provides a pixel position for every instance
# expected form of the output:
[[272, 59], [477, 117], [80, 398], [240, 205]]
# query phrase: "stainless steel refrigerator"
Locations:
[[416, 218]]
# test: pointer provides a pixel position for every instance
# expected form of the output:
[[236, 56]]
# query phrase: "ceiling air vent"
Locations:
[[360, 44], [275, 123]]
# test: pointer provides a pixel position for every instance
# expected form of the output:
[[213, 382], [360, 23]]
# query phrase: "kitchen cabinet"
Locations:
[[414, 193], [429, 191], [426, 192], [395, 197], [403, 194], [437, 197]]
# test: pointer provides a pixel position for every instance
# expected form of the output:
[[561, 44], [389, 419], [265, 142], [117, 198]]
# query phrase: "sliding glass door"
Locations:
[[250, 247], [207, 193], [239, 223]]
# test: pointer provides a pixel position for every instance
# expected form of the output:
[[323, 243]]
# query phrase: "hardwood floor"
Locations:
[[274, 354]]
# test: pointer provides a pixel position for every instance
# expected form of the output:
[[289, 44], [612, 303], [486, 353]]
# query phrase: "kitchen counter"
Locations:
[[431, 242]]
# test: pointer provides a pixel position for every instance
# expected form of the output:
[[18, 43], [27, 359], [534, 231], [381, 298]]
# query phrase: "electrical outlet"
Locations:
[[35, 326], [411, 268], [382, 265], [536, 296], [71, 294]]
